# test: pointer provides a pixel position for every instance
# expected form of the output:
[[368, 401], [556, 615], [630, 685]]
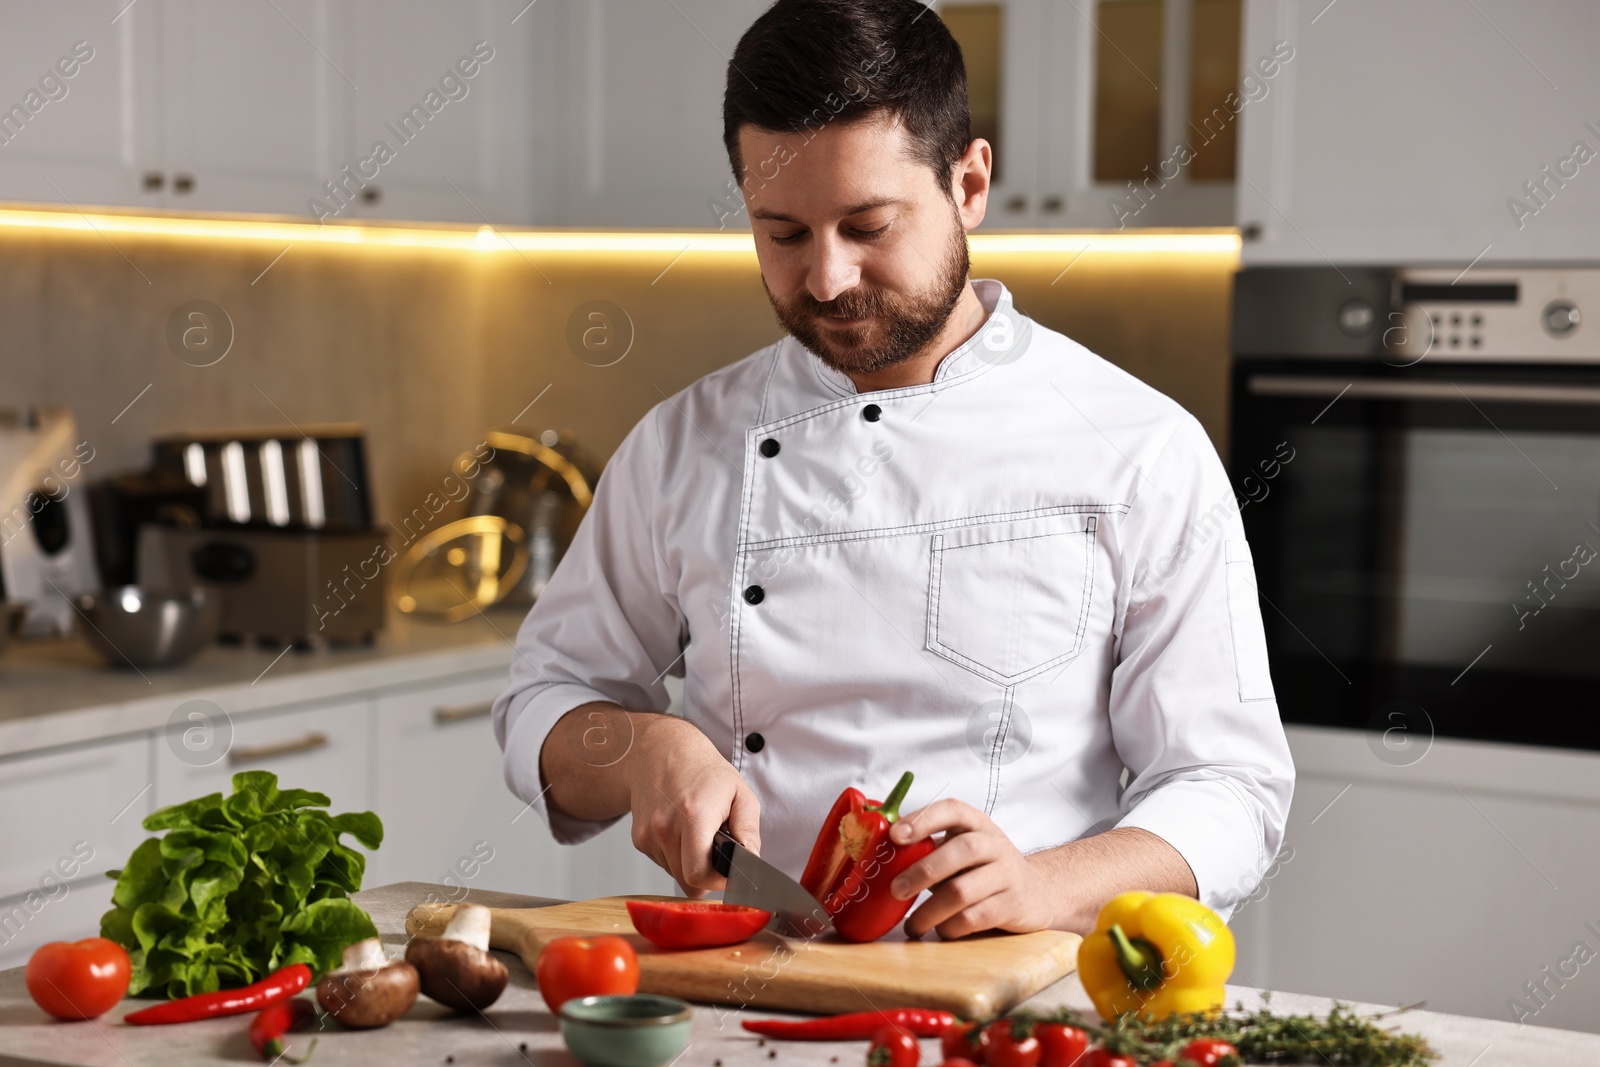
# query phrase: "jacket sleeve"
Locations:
[[1193, 714], [607, 626]]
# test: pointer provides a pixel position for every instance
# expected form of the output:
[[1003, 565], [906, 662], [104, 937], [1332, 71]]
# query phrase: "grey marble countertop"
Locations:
[[519, 1030], [55, 692]]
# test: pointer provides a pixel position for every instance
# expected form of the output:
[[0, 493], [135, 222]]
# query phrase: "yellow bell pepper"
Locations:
[[1159, 953]]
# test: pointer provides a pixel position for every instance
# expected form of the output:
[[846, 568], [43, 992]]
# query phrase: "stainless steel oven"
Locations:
[[1418, 457]]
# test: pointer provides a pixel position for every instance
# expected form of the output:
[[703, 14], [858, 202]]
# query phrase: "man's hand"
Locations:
[[980, 880], [681, 790], [601, 760]]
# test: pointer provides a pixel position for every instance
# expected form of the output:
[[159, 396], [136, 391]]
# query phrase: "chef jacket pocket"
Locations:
[[1244, 617], [1009, 605]]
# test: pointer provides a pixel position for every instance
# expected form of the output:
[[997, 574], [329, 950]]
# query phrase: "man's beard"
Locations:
[[896, 329]]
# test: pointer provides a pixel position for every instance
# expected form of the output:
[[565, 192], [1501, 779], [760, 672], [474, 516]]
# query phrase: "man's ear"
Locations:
[[969, 182]]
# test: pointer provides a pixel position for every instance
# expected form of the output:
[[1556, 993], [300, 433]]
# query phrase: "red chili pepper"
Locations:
[[854, 861], [854, 1025], [275, 1020], [279, 985]]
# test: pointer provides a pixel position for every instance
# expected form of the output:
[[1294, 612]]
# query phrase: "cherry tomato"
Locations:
[[1163, 1063], [959, 1061], [1062, 1045], [674, 924], [585, 967], [1099, 1057], [893, 1046], [79, 979], [1006, 1049], [1208, 1052], [965, 1040]]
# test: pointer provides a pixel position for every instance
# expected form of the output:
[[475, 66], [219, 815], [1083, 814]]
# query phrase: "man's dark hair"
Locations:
[[806, 63]]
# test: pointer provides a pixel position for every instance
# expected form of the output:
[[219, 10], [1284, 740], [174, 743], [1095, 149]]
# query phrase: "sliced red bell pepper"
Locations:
[[675, 924], [854, 861]]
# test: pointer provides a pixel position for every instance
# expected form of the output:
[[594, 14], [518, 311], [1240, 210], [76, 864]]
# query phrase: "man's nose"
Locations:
[[833, 270]]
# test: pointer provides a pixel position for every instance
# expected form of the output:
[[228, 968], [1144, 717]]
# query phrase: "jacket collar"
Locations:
[[998, 340]]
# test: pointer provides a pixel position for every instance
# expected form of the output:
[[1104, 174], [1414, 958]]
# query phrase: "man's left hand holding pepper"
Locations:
[[981, 881]]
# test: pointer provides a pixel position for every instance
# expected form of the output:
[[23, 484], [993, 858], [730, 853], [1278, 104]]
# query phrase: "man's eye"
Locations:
[[872, 235], [788, 239]]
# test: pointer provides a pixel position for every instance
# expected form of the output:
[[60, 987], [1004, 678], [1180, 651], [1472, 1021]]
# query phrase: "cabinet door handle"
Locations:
[[309, 743], [154, 180], [1052, 203], [458, 712], [1017, 203], [183, 183]]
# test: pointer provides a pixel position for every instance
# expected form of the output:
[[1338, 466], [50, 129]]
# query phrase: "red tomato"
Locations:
[[585, 967], [893, 1046], [80, 979], [1099, 1057], [1209, 1052], [1006, 1049], [959, 1061], [1062, 1045], [965, 1040], [673, 924]]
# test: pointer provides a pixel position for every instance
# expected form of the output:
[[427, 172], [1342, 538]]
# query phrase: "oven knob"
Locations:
[[1356, 317], [1560, 318]]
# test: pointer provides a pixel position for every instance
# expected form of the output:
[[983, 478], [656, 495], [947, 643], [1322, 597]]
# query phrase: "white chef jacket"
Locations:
[[1026, 581]]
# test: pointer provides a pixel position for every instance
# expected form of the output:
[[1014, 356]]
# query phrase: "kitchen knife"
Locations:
[[754, 882]]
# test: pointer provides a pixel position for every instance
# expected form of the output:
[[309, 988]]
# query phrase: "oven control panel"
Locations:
[[1492, 314]]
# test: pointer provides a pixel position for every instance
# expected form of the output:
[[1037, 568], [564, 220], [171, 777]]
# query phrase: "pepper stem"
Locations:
[[1139, 959], [890, 808]]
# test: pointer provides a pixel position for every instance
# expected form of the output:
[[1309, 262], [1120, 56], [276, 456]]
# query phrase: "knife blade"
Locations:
[[755, 883]]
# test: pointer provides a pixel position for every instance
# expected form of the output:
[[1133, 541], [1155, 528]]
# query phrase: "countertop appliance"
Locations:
[[1417, 457], [286, 533], [46, 543]]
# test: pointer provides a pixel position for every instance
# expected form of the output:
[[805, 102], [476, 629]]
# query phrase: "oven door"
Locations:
[[1427, 547]]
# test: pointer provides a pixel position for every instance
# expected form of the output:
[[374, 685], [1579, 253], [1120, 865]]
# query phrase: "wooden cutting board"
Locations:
[[974, 977]]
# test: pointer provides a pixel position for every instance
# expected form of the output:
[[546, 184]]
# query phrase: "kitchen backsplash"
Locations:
[[428, 348]]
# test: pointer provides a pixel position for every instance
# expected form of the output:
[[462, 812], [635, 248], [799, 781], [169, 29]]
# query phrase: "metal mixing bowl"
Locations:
[[143, 628]]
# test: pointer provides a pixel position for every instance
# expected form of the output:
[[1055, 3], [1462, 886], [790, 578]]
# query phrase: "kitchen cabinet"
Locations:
[[447, 814], [67, 912], [1422, 132], [448, 89], [82, 114], [1454, 873], [321, 746], [84, 804], [271, 108]]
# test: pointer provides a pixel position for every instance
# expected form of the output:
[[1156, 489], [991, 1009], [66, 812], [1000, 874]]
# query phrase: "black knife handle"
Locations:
[[722, 851]]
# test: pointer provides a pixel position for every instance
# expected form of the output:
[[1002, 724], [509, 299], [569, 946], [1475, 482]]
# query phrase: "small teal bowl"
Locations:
[[641, 1030]]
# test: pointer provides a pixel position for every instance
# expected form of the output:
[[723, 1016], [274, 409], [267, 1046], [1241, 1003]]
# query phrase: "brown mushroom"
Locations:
[[456, 967], [369, 989]]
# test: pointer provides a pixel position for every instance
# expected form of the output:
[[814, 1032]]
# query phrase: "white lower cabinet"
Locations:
[[448, 816], [67, 911], [322, 747], [72, 812], [1464, 879]]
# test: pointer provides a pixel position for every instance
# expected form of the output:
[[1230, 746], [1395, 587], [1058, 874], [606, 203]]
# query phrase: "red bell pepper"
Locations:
[[854, 861], [675, 924]]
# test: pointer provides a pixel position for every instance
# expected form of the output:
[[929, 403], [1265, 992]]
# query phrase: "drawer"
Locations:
[[83, 807], [323, 748], [66, 912]]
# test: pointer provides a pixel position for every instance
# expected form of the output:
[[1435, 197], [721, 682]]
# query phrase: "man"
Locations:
[[920, 532]]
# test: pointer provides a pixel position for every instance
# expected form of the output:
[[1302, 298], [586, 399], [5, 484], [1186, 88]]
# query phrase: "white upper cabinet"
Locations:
[[80, 123], [440, 106], [635, 111], [1108, 114], [253, 98], [1425, 131]]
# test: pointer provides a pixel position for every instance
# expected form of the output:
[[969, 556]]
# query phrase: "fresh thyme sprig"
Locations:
[[1342, 1038]]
